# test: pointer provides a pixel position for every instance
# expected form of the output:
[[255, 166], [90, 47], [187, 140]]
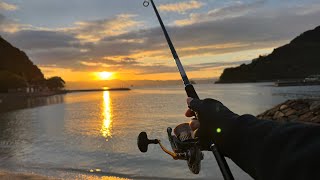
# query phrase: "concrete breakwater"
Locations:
[[303, 110]]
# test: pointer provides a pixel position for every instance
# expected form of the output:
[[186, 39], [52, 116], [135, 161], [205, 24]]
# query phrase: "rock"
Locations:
[[299, 106], [306, 117], [290, 102], [271, 112], [315, 105], [278, 115], [290, 112], [302, 111], [283, 107], [293, 118], [287, 110], [316, 119], [283, 119]]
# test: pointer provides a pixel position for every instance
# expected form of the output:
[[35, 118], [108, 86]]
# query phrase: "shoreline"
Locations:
[[52, 93], [8, 175], [96, 90], [21, 100], [243, 82], [277, 83]]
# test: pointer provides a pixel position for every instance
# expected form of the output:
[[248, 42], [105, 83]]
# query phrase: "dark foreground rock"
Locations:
[[304, 110]]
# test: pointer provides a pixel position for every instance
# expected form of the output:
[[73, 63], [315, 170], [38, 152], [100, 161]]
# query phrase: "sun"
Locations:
[[104, 75]]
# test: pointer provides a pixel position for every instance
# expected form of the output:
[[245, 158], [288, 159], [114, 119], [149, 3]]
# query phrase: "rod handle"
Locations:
[[191, 92], [225, 170]]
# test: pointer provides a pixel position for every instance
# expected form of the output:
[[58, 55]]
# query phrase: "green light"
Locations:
[[218, 130]]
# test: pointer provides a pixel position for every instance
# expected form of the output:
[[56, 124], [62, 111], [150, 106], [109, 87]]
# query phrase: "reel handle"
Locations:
[[143, 142]]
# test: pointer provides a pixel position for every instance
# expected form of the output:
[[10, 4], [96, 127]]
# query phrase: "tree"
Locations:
[[55, 83]]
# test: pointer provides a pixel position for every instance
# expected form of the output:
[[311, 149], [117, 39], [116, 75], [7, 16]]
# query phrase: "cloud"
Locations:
[[155, 68], [304, 10], [37, 40], [161, 68], [181, 7], [2, 18], [237, 9], [93, 31], [8, 25], [144, 51], [105, 62], [7, 7]]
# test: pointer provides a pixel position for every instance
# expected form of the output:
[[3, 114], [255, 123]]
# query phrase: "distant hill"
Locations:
[[17, 62], [16, 69], [298, 59]]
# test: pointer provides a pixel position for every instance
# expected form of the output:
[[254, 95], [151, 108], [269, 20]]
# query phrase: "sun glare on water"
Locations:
[[104, 75]]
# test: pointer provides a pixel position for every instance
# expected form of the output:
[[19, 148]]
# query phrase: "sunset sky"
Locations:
[[77, 39]]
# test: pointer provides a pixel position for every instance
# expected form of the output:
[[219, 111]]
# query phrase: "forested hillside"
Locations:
[[298, 59]]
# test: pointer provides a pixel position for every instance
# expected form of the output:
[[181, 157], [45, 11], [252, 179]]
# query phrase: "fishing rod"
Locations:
[[185, 147]]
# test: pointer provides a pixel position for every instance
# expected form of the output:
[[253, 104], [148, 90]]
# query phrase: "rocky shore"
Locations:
[[303, 110]]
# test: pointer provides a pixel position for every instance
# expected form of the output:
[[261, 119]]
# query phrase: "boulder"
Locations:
[[315, 105], [290, 112], [283, 107], [278, 115], [306, 117], [316, 119]]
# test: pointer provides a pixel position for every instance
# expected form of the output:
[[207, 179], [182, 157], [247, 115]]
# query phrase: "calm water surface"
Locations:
[[75, 133]]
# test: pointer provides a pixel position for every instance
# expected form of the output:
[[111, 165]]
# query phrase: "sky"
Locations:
[[77, 39]]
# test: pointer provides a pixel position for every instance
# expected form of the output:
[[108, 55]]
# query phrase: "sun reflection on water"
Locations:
[[106, 128]]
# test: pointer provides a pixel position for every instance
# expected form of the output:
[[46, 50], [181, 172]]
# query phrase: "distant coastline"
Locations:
[[94, 90], [51, 93], [277, 83], [242, 82], [18, 95]]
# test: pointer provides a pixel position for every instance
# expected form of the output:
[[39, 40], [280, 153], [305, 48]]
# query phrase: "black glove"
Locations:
[[215, 121]]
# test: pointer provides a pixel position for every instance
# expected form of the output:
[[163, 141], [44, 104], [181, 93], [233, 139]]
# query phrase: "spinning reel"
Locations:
[[183, 145]]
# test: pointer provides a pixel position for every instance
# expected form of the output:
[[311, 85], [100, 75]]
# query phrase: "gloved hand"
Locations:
[[214, 121]]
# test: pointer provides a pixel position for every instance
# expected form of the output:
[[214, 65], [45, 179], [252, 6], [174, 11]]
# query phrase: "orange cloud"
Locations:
[[94, 31], [8, 7], [193, 50], [181, 7], [235, 10]]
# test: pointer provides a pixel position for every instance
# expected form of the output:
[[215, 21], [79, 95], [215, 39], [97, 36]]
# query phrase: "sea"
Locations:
[[93, 135]]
